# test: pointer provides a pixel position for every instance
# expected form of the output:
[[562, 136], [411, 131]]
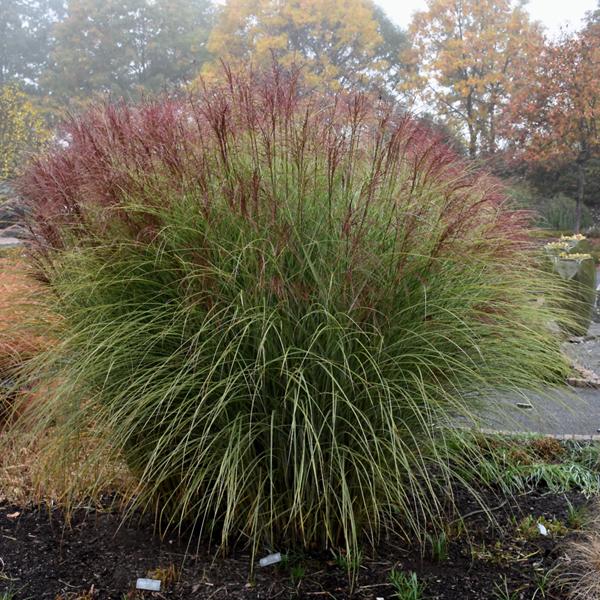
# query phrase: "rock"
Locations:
[[6, 190], [17, 230], [10, 242], [12, 215]]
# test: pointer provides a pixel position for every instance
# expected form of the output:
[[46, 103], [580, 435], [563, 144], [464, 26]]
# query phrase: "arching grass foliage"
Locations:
[[271, 303]]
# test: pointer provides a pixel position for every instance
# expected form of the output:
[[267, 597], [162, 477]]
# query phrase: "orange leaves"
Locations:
[[556, 112]]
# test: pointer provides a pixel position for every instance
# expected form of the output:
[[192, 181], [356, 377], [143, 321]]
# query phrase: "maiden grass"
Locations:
[[273, 321]]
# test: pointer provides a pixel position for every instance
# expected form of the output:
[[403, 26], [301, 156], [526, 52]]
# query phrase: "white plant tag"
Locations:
[[151, 585], [270, 560], [542, 529]]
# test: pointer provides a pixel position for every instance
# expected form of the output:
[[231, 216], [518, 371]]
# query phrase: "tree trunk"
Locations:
[[471, 127], [492, 133], [472, 142], [580, 192]]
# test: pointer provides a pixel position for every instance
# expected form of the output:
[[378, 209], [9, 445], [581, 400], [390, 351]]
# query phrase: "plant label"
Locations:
[[270, 560], [151, 585]]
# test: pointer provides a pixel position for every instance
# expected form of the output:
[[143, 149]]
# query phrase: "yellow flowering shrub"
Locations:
[[578, 237], [557, 246], [22, 129], [567, 256]]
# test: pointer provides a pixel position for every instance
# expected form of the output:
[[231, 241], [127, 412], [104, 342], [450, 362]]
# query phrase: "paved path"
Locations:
[[560, 412], [587, 351], [9, 242]]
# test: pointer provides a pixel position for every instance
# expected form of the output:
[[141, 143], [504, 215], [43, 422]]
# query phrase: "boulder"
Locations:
[[18, 230], [12, 213]]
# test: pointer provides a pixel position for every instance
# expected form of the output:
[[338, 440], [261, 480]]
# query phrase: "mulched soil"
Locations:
[[42, 558]]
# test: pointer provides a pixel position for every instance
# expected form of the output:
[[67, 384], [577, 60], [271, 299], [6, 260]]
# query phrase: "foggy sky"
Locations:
[[552, 13]]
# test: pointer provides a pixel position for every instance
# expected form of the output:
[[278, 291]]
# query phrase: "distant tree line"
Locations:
[[481, 71]]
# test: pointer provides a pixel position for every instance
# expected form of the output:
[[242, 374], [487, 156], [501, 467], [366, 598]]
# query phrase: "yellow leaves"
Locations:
[[335, 41], [468, 52], [22, 129], [264, 45]]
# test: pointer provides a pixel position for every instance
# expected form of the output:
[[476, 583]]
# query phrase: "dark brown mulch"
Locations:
[[41, 558]]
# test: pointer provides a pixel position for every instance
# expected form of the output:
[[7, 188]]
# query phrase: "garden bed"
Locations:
[[43, 558]]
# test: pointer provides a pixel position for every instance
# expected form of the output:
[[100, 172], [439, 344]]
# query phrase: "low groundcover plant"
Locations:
[[271, 303]]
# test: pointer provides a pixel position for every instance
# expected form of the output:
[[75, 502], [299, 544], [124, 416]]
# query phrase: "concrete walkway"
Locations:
[[9, 242], [564, 412], [586, 351], [560, 412]]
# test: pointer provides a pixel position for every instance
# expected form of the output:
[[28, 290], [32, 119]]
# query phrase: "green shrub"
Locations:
[[523, 196], [271, 304], [518, 464], [559, 213]]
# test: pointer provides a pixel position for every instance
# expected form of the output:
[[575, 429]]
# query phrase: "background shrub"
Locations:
[[558, 213], [272, 303]]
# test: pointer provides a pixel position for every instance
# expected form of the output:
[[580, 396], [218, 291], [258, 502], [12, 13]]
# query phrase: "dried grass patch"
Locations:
[[24, 333], [21, 314], [580, 574], [25, 464]]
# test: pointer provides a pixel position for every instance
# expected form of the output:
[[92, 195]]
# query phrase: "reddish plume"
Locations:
[[235, 144]]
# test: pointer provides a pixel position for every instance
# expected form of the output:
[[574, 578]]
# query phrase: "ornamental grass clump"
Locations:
[[271, 303]]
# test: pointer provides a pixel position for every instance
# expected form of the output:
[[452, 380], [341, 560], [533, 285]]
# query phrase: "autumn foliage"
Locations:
[[338, 43], [465, 59], [554, 117], [555, 113], [22, 130]]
